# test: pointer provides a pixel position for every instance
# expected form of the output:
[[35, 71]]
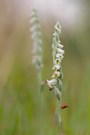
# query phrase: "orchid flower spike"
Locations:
[[57, 53], [37, 40]]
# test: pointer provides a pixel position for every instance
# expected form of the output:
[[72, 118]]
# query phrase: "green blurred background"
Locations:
[[19, 103]]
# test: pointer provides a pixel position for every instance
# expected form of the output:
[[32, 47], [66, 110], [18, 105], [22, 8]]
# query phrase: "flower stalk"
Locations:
[[37, 45], [37, 40], [38, 59], [55, 83]]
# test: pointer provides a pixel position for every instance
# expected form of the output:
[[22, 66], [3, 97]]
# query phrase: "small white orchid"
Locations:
[[51, 83], [56, 74], [60, 51], [56, 67], [60, 45]]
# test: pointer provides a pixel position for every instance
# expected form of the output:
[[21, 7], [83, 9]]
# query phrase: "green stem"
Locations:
[[40, 97]]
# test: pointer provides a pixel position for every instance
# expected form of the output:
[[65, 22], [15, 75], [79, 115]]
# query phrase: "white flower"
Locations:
[[51, 83], [58, 27], [60, 51], [59, 56], [57, 61], [56, 67], [60, 45], [56, 74]]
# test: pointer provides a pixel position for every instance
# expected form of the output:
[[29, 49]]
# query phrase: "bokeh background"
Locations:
[[19, 103]]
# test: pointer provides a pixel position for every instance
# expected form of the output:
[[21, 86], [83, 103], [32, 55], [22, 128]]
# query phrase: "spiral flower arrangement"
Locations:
[[56, 82], [37, 40]]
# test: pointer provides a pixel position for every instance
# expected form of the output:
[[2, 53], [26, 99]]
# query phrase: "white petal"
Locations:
[[51, 83], [60, 51], [58, 55], [56, 74], [58, 27], [60, 45], [56, 67], [57, 61]]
